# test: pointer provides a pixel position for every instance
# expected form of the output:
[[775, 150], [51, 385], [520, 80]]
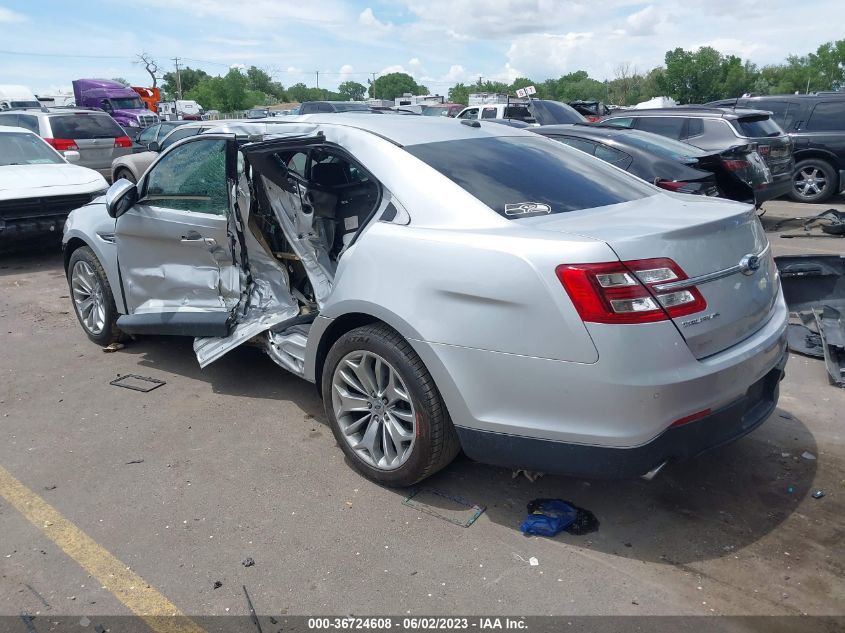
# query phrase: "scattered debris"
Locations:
[[530, 475], [135, 461], [808, 455], [114, 347], [814, 289], [831, 222], [533, 561], [790, 489], [252, 615], [84, 621], [27, 621], [460, 511], [50, 487], [248, 562], [549, 517], [217, 584], [39, 596], [818, 494], [137, 383]]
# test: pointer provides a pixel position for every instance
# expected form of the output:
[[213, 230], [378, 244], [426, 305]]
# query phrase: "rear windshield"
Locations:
[[25, 149], [350, 107], [517, 176], [85, 126], [661, 145], [757, 126]]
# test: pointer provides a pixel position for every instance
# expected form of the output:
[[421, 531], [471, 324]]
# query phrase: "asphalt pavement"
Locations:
[[114, 501]]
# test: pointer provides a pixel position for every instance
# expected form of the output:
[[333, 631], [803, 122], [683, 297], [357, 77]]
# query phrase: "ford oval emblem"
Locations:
[[749, 264]]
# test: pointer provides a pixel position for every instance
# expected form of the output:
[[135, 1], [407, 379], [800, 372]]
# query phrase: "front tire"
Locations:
[[125, 174], [92, 298], [384, 409], [814, 180]]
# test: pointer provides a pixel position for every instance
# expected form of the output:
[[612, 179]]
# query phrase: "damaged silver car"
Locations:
[[448, 286]]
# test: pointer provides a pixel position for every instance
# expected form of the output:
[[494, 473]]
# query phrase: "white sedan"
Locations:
[[39, 187]]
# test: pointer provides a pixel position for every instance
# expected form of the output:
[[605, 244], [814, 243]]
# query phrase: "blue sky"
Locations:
[[47, 43]]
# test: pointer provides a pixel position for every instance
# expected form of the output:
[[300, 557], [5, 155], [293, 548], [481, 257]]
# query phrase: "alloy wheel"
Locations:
[[810, 181], [374, 410], [88, 297]]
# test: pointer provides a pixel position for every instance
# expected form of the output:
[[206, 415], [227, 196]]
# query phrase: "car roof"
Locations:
[[15, 129], [400, 130], [585, 129], [691, 110]]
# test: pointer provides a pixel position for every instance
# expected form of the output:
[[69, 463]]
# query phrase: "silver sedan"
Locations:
[[448, 285]]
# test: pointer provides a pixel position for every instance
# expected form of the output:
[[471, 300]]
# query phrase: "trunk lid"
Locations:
[[705, 237]]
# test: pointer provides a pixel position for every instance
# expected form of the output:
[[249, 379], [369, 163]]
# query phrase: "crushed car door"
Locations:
[[176, 245], [268, 300]]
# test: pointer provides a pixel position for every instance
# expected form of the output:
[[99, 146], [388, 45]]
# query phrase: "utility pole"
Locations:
[[318, 78], [178, 79], [374, 85]]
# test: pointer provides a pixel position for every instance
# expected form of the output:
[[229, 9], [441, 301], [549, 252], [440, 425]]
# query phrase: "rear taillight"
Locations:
[[734, 164], [62, 144], [123, 141], [626, 292], [680, 186]]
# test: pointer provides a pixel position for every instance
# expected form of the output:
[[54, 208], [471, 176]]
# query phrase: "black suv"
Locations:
[[313, 107], [816, 124], [718, 129]]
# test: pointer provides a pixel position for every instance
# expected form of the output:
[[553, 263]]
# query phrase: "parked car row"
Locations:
[[39, 186], [498, 253], [816, 125]]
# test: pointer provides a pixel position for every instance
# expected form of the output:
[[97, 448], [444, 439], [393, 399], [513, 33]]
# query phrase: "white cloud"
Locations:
[[549, 54], [9, 16], [369, 20], [345, 73], [643, 22]]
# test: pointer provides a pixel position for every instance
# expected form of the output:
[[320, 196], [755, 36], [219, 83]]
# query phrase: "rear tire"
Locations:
[[92, 298], [814, 180], [126, 174], [417, 416]]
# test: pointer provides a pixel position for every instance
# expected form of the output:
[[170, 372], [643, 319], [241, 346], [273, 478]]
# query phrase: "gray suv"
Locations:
[[93, 133], [716, 129]]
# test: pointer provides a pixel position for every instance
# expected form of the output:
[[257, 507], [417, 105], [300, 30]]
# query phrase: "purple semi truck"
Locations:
[[122, 103]]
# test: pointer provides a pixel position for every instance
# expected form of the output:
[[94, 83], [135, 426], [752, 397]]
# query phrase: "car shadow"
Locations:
[[244, 372], [32, 257], [704, 508]]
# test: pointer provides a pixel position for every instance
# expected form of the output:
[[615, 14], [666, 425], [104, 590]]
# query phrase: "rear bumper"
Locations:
[[781, 186], [676, 443]]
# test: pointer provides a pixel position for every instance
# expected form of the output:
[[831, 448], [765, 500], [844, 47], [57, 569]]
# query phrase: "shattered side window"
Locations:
[[192, 177]]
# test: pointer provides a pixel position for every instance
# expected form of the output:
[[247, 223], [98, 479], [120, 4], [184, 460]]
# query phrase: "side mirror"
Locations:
[[121, 197], [154, 146], [71, 156]]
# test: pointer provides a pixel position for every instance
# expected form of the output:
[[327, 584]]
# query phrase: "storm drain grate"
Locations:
[[137, 383], [444, 506]]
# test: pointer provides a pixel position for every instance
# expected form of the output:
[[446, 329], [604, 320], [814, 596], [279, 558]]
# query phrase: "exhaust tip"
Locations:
[[653, 472]]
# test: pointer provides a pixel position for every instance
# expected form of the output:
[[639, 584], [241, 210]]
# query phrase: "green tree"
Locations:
[[827, 66], [191, 77], [394, 85], [459, 93], [229, 93], [352, 91], [693, 76], [260, 81]]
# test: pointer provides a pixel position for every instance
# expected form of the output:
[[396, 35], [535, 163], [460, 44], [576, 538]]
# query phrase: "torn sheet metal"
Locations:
[[268, 302], [287, 348]]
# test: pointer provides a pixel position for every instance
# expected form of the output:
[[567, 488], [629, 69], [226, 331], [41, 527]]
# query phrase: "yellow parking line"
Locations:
[[127, 586]]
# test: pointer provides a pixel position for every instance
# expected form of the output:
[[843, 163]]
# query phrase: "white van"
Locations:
[[15, 96], [179, 109]]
